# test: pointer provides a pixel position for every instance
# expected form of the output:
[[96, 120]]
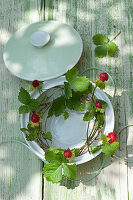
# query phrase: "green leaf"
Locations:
[[66, 115], [68, 90], [48, 136], [109, 149], [76, 152], [32, 135], [100, 39], [23, 129], [102, 111], [115, 145], [104, 139], [90, 106], [80, 83], [56, 150], [111, 48], [24, 96], [88, 116], [69, 171], [75, 103], [29, 127], [24, 109], [34, 104], [72, 74], [105, 46], [53, 172], [100, 119], [54, 155], [101, 51], [90, 88], [51, 111], [59, 106], [94, 148], [100, 84]]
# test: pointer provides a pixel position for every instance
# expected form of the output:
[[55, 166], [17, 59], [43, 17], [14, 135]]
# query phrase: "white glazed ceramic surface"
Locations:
[[59, 55], [39, 38], [71, 132]]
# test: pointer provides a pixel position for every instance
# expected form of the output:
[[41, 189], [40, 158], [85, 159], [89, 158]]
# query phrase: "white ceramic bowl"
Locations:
[[39, 38], [61, 130]]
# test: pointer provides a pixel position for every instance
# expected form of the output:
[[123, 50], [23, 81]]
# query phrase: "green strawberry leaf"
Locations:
[[56, 150], [90, 88], [66, 115], [72, 74], [100, 39], [34, 104], [90, 106], [109, 149], [68, 90], [53, 172], [24, 109], [24, 129], [53, 155], [102, 111], [100, 84], [58, 107], [32, 135], [69, 171], [104, 139], [88, 116], [48, 136], [75, 103], [76, 152], [80, 83], [101, 51], [100, 118], [24, 96], [111, 47], [105, 47], [94, 148], [51, 111]]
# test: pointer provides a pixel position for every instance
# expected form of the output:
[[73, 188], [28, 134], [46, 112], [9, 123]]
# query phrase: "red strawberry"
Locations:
[[98, 104], [112, 136], [103, 77], [67, 153], [35, 118], [35, 83]]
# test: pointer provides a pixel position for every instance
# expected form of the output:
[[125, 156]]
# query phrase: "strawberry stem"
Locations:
[[115, 36]]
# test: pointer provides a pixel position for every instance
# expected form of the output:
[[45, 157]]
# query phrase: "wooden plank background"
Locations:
[[20, 170]]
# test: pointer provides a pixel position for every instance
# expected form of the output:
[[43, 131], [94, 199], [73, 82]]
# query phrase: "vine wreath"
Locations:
[[77, 94]]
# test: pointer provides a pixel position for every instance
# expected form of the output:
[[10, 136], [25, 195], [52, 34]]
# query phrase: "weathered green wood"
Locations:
[[90, 18], [20, 176], [20, 170]]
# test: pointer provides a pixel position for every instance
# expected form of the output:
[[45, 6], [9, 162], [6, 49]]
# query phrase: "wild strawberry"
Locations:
[[35, 118], [103, 77], [67, 153], [35, 83], [112, 136], [98, 104]]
